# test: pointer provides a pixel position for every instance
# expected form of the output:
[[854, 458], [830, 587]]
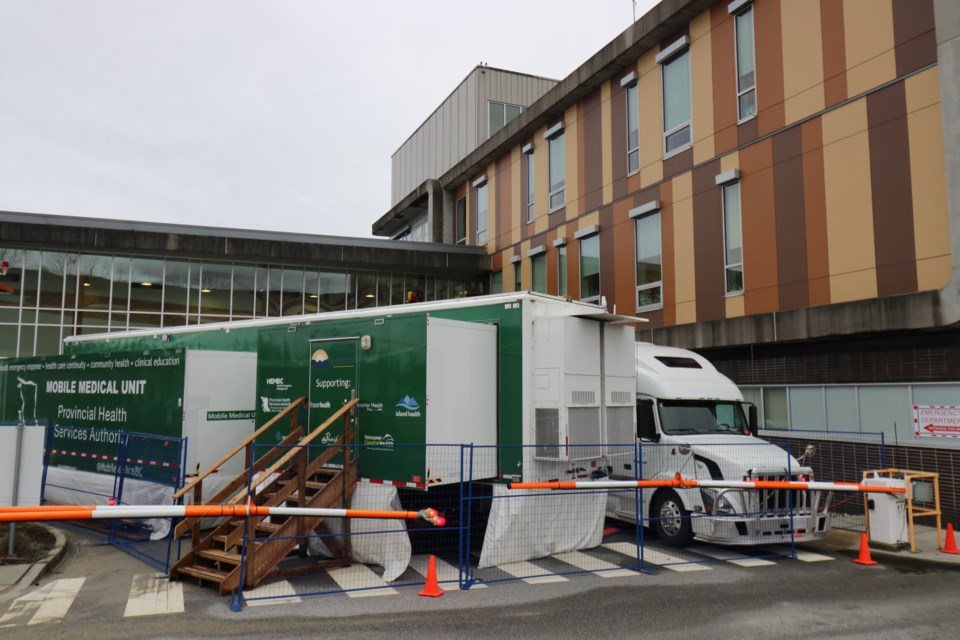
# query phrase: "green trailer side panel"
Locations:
[[236, 339], [391, 421], [110, 393]]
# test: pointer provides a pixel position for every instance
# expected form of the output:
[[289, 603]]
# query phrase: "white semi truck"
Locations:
[[691, 421]]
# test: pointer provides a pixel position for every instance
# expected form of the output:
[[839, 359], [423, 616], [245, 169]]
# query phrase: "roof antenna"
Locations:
[[634, 10]]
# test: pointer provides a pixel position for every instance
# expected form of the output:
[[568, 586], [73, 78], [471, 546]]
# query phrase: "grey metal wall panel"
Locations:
[[458, 126]]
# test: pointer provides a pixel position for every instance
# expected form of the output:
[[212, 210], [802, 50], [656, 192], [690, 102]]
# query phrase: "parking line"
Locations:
[[657, 557], [152, 596], [446, 572], [359, 581], [48, 604], [740, 560], [602, 568], [529, 572]]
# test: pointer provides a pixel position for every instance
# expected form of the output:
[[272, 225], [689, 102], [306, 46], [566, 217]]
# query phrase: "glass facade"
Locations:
[[46, 296]]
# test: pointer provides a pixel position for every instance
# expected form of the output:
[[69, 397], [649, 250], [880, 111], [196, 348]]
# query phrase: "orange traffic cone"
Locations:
[[864, 551], [950, 544], [431, 588]]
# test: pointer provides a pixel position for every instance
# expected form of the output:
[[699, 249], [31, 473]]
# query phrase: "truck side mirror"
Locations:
[[752, 419]]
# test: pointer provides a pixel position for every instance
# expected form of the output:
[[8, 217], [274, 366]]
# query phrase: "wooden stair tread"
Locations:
[[204, 573], [220, 556]]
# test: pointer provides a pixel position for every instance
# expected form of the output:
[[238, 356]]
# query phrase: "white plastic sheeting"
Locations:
[[390, 550], [69, 486], [524, 526]]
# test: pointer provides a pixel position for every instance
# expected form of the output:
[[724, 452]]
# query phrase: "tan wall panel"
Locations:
[[685, 273], [868, 35], [730, 161], [572, 125], [606, 140], [591, 218], [734, 306], [849, 203], [519, 209], [701, 79], [929, 189], [802, 58], [651, 120]]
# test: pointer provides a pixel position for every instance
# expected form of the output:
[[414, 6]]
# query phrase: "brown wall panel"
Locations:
[[472, 213], [769, 56], [552, 268], [758, 206], [591, 159], [791, 222], [525, 177], [667, 239], [891, 187], [834, 52], [678, 163], [914, 34], [618, 147], [624, 265], [747, 132], [708, 240], [608, 273], [557, 217], [815, 209], [724, 79]]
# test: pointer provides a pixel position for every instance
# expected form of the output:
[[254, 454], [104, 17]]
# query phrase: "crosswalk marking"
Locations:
[[657, 557], [529, 572], [280, 592], [719, 553], [446, 572], [152, 596], [804, 556], [360, 576], [47, 604], [603, 568]]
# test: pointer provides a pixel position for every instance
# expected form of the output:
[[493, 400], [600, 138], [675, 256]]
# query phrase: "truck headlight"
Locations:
[[724, 506], [717, 502]]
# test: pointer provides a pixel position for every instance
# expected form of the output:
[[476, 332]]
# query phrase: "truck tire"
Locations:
[[670, 520]]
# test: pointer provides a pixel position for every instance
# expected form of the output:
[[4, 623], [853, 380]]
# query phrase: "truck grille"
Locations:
[[778, 502]]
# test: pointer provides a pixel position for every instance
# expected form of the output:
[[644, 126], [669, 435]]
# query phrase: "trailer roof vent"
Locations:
[[678, 362]]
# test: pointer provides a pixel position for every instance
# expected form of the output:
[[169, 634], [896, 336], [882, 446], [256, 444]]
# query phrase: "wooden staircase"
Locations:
[[250, 550]]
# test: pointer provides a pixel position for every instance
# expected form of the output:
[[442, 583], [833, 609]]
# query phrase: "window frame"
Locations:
[[639, 215], [556, 136], [460, 221], [632, 110], [480, 225], [531, 185], [671, 55], [738, 13], [728, 265], [590, 234], [561, 268]]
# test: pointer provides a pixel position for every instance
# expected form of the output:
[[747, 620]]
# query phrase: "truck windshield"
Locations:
[[702, 416]]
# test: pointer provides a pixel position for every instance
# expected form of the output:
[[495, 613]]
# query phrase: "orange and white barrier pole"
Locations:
[[98, 512], [679, 482]]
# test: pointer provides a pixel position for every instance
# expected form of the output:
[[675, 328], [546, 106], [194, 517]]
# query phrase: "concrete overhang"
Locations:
[[655, 26]]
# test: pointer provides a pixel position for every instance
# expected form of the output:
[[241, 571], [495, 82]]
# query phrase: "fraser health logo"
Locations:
[[408, 407]]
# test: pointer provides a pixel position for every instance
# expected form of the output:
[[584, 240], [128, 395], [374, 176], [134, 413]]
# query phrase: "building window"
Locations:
[[538, 267], [676, 99], [517, 283], [562, 270], [633, 129], [496, 282], [482, 213], [500, 114], [418, 231], [746, 64], [590, 268], [460, 230], [558, 166], [531, 183], [649, 261], [732, 238]]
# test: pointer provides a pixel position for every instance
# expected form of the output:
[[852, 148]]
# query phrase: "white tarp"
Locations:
[[524, 526], [390, 550], [69, 486]]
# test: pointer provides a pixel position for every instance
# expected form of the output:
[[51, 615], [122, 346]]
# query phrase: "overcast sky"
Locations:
[[279, 114]]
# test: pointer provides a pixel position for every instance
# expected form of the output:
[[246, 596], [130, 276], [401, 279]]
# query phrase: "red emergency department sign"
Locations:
[[936, 421]]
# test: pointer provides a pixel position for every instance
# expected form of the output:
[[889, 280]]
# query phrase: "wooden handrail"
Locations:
[[289, 455], [216, 465]]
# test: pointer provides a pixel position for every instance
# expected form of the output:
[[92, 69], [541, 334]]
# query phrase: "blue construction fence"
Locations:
[[494, 533], [98, 466]]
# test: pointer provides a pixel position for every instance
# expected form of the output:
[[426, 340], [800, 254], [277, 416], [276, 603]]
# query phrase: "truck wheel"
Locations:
[[670, 520]]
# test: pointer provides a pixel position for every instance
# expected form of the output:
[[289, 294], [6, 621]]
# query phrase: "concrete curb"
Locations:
[[37, 569]]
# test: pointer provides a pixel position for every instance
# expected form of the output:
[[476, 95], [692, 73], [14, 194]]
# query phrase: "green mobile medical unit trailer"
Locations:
[[535, 375]]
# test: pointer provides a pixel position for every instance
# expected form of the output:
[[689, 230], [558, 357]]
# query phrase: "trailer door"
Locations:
[[333, 383]]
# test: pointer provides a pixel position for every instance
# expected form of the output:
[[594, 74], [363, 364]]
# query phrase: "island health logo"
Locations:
[[320, 358], [408, 407]]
